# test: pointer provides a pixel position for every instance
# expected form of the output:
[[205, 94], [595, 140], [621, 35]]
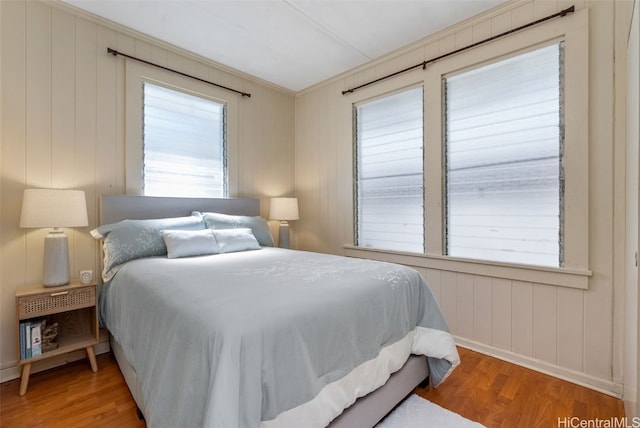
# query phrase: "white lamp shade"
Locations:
[[284, 209], [53, 208]]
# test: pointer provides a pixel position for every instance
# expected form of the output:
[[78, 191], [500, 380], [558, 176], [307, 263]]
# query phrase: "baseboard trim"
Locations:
[[601, 385], [13, 371], [630, 404]]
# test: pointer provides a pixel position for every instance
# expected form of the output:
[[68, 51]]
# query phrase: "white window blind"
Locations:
[[389, 173], [183, 144], [504, 131]]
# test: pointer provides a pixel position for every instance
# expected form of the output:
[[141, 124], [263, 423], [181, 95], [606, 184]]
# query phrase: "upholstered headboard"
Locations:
[[114, 208]]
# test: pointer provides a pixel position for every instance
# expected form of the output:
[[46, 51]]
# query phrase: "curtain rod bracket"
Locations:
[[568, 10], [116, 53]]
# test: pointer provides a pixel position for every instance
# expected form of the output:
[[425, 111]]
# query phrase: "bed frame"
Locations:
[[366, 412]]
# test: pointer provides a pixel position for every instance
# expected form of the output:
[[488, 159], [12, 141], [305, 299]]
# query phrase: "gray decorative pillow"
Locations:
[[259, 226], [232, 240], [133, 239]]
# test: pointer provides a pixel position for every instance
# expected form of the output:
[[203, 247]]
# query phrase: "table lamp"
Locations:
[[54, 208], [284, 209]]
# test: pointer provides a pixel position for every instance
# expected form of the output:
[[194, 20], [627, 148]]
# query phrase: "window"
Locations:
[[503, 137], [181, 135], [389, 172], [505, 173], [183, 144]]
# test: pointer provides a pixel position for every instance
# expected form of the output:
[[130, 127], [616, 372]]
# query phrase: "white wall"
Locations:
[[514, 314], [62, 124]]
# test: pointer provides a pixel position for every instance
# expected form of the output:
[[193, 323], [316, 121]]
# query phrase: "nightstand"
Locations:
[[73, 307]]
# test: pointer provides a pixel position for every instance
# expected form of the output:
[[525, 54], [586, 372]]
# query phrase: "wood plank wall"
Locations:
[[569, 332], [63, 126], [631, 296]]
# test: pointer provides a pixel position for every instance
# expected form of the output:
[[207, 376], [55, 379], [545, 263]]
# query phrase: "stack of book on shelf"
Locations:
[[36, 337]]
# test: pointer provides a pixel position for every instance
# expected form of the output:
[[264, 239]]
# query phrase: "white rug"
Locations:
[[416, 412]]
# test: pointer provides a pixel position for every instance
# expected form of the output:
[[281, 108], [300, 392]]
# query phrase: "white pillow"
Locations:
[[232, 240], [186, 243]]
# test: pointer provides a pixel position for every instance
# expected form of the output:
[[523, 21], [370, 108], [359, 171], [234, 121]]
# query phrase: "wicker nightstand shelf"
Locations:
[[73, 307]]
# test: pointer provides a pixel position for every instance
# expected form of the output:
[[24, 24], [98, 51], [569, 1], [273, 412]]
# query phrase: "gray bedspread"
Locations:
[[251, 338]]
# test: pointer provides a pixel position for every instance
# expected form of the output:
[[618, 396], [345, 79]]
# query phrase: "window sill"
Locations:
[[562, 277]]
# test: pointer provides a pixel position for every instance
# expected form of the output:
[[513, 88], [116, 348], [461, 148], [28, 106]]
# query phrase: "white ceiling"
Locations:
[[291, 43]]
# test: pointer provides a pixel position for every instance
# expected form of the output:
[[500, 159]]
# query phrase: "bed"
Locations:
[[260, 336]]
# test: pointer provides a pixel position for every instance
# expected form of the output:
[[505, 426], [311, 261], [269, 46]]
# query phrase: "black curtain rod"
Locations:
[[425, 63], [116, 53]]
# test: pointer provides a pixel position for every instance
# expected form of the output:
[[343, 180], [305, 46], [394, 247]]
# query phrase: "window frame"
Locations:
[[356, 159], [223, 145], [575, 273], [136, 75], [561, 188]]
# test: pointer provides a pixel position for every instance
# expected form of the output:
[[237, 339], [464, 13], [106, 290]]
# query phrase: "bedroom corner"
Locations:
[[63, 126]]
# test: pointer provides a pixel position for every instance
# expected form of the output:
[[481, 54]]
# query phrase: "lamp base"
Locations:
[[56, 259], [283, 235]]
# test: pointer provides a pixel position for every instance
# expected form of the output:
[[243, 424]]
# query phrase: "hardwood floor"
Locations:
[[71, 396], [500, 394], [484, 389]]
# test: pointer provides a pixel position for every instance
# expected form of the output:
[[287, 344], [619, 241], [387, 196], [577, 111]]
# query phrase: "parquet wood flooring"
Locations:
[[490, 391]]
